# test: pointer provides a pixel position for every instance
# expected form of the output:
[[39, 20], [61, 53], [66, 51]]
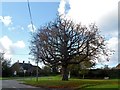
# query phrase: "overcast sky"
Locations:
[[16, 27]]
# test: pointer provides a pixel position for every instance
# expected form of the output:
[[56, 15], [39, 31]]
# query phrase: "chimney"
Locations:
[[18, 61], [28, 62]]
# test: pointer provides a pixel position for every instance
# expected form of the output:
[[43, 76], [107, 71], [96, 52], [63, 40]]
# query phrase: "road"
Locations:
[[15, 85]]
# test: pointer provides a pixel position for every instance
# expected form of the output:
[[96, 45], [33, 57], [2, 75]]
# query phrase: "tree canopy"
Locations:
[[62, 42]]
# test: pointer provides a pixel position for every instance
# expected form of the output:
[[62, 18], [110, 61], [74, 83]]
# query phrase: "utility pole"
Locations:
[[37, 72]]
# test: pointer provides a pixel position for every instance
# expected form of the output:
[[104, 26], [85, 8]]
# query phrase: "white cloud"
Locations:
[[6, 20], [112, 43], [31, 28], [6, 42], [22, 28], [102, 12], [87, 11], [7, 46], [19, 44], [13, 28], [61, 8]]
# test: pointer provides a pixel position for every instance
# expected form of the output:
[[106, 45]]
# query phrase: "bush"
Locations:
[[99, 74]]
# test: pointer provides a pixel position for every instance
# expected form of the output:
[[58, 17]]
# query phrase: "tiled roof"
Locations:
[[118, 66], [26, 66]]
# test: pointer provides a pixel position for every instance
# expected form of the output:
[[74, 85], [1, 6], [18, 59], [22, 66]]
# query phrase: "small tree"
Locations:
[[85, 66], [62, 42], [82, 68], [5, 64], [46, 70]]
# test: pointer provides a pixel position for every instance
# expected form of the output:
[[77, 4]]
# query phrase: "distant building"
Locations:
[[118, 66], [21, 68]]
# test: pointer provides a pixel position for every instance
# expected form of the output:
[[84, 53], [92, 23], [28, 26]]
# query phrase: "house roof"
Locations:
[[23, 66], [118, 66]]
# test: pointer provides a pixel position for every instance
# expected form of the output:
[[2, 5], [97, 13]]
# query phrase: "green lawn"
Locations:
[[0, 78], [78, 84]]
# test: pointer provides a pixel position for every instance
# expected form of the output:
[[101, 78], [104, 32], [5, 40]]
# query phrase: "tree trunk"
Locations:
[[37, 72], [83, 76], [0, 68], [64, 73]]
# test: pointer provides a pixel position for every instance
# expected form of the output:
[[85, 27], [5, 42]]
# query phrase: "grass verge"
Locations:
[[78, 84]]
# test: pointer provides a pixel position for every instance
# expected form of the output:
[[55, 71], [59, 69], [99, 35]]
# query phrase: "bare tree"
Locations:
[[62, 42]]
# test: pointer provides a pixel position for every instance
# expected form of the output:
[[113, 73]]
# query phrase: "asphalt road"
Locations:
[[16, 85]]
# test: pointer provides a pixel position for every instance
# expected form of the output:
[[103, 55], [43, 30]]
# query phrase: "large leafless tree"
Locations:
[[62, 42]]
